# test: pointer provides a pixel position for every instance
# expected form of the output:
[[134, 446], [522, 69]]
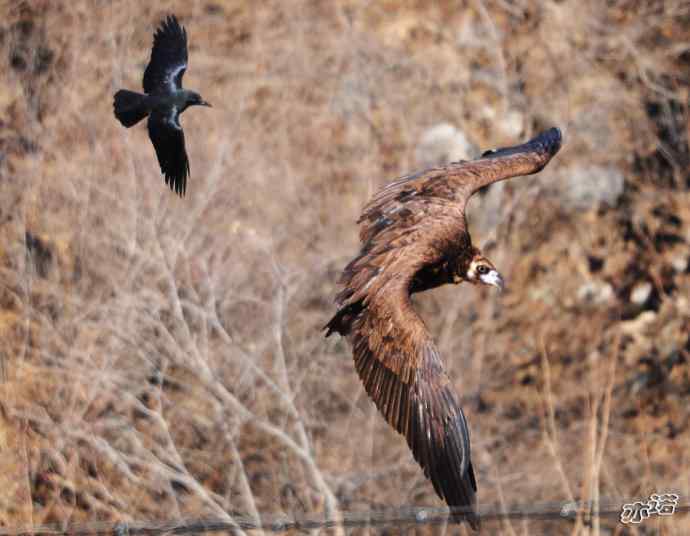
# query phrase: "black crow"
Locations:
[[164, 101]]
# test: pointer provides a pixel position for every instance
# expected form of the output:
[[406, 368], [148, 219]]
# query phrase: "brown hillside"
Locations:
[[163, 358]]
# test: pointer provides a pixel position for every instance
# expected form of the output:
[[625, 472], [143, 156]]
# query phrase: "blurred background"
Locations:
[[163, 359]]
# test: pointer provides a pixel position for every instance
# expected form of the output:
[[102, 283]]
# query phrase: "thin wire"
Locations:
[[370, 518]]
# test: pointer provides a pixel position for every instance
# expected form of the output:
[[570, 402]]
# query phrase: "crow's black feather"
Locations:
[[164, 101], [168, 63], [167, 136]]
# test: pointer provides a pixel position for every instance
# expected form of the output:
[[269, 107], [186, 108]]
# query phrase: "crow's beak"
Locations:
[[204, 103]]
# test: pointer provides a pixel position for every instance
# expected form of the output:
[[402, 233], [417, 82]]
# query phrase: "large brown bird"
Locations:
[[414, 237]]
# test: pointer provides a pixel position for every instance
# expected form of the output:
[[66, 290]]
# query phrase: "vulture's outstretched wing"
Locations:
[[402, 372], [394, 353], [167, 136], [163, 74], [457, 182]]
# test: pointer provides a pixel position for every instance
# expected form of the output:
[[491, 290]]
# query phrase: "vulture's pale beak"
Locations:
[[494, 279]]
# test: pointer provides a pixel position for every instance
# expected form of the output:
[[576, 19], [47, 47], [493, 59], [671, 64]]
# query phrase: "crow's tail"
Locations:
[[130, 107]]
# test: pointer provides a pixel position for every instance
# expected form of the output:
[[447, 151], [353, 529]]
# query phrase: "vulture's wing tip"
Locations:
[[550, 140]]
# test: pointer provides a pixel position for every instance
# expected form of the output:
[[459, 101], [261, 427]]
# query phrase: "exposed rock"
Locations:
[[588, 187], [441, 144], [595, 292], [484, 211], [641, 292], [683, 305], [512, 125], [592, 129], [680, 263], [638, 326]]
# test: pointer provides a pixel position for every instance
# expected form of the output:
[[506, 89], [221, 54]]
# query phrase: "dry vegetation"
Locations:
[[162, 358]]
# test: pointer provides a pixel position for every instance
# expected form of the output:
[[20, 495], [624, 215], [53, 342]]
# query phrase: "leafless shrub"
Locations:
[[163, 358]]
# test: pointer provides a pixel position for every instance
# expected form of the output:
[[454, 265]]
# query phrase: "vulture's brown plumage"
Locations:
[[414, 237]]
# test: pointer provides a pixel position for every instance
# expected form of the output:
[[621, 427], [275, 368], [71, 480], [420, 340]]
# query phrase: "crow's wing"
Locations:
[[167, 136], [168, 62]]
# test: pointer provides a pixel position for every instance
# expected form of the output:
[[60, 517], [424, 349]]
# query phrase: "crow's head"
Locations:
[[194, 99]]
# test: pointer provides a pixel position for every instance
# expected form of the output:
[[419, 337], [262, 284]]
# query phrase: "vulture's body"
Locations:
[[414, 237]]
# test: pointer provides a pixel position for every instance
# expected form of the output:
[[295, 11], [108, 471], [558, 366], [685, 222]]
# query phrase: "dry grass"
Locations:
[[162, 358]]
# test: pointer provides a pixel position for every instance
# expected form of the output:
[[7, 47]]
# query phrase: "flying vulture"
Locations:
[[164, 101], [414, 237]]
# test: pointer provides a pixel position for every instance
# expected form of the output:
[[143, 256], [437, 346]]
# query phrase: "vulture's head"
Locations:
[[481, 271]]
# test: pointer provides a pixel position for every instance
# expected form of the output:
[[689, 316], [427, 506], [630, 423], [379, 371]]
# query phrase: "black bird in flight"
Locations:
[[164, 101], [414, 237]]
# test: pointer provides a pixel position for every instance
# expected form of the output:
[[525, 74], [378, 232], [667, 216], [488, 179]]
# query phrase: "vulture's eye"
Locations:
[[482, 269]]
